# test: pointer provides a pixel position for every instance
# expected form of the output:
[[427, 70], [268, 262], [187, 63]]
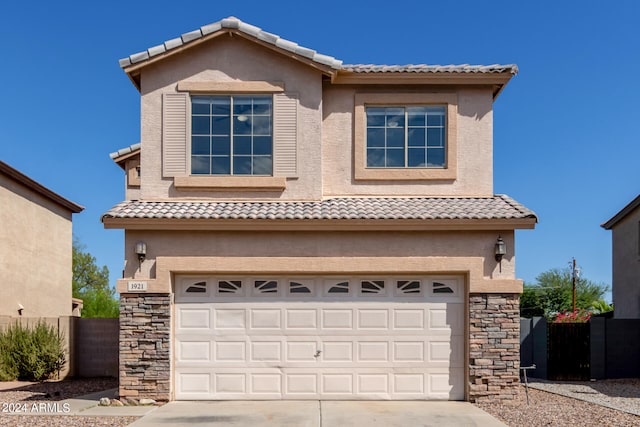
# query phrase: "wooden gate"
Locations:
[[569, 351]]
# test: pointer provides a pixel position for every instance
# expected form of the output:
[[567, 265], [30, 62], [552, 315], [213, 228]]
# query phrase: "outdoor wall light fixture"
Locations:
[[20, 309], [141, 251], [500, 249]]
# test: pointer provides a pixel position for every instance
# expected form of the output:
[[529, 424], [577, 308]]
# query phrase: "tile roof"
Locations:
[[234, 24], [125, 150], [367, 208], [424, 68], [231, 23]]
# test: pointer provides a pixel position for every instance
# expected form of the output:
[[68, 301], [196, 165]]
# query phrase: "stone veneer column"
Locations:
[[494, 346], [145, 340]]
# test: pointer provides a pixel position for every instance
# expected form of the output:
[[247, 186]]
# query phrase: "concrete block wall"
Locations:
[[96, 348], [494, 346]]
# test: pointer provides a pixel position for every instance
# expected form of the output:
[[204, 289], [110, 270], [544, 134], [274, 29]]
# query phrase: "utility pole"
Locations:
[[573, 283]]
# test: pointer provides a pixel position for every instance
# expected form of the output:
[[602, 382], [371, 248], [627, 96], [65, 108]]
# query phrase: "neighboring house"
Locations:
[[626, 260], [305, 229], [35, 248]]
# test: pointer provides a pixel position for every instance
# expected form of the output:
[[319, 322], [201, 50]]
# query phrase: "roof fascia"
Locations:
[[317, 225], [498, 80], [133, 70], [121, 159], [621, 214], [39, 188]]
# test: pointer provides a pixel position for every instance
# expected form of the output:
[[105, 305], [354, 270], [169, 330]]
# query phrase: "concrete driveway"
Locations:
[[317, 414]]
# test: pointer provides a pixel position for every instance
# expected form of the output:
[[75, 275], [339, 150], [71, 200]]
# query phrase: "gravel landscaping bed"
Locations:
[[551, 409], [46, 396]]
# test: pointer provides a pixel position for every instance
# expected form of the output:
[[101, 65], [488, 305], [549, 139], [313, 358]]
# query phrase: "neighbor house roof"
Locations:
[[328, 64], [23, 179], [349, 209], [622, 214], [125, 153]]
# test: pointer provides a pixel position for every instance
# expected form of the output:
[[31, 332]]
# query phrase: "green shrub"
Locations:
[[32, 354]]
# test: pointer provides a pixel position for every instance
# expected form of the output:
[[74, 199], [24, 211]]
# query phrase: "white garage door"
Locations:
[[319, 338]]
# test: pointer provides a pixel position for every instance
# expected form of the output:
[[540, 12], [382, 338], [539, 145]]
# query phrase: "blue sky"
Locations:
[[566, 138]]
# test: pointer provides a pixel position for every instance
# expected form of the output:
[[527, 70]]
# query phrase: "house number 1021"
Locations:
[[137, 286]]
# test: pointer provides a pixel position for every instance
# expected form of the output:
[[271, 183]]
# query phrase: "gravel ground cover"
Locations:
[[590, 404], [551, 409], [46, 397]]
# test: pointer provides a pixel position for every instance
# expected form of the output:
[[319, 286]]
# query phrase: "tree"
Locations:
[[91, 284], [552, 293]]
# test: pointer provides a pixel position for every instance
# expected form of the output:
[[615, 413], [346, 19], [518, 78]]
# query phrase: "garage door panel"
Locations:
[[300, 350], [369, 338], [373, 319], [304, 319], [193, 319], [408, 319], [230, 351], [193, 351], [337, 351], [341, 318], [373, 351], [266, 351], [265, 319], [410, 385], [230, 318]]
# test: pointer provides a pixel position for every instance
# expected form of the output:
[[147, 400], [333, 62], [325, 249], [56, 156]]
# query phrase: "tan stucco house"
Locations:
[[298, 228], [625, 227], [35, 249]]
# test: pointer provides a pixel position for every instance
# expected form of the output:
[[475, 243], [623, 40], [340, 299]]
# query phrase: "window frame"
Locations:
[[232, 96], [184, 180], [364, 100]]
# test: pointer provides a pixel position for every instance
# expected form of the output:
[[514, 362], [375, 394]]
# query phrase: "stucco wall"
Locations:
[[626, 267], [325, 148], [445, 246], [227, 59], [474, 140], [35, 253]]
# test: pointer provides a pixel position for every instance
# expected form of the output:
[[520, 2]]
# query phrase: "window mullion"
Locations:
[[406, 137], [231, 141]]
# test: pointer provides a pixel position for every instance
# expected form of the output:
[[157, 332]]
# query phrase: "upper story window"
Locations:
[[406, 137], [232, 135]]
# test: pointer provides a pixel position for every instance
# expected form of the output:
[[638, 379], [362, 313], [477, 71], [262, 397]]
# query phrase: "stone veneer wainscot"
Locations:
[[494, 346], [145, 343]]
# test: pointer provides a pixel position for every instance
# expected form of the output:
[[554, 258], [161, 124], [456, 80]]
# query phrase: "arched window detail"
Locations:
[[441, 288], [229, 286], [298, 288], [339, 288], [197, 288], [409, 286], [372, 286], [266, 286]]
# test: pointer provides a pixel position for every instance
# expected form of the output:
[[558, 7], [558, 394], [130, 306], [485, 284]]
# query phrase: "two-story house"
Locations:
[[625, 232], [35, 250], [297, 228]]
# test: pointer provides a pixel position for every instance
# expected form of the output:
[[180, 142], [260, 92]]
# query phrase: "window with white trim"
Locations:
[[232, 135]]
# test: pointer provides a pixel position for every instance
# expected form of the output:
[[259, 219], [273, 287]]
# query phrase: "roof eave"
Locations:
[[319, 225], [621, 214], [497, 80], [39, 188], [120, 160], [133, 69]]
